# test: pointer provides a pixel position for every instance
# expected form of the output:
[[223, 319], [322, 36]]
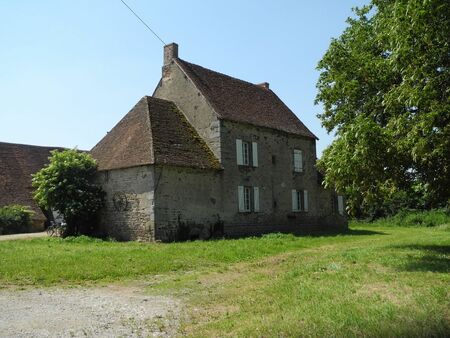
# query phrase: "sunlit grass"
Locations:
[[373, 281]]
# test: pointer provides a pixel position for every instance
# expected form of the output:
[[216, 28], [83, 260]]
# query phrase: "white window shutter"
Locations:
[[239, 157], [256, 199], [305, 200], [340, 200], [294, 200], [255, 153], [300, 160], [241, 198]]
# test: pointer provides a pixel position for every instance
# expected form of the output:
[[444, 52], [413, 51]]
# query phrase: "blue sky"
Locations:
[[70, 70]]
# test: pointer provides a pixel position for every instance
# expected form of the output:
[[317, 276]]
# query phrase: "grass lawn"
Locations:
[[373, 281]]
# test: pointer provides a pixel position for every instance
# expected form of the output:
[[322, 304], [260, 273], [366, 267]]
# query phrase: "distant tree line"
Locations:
[[385, 90]]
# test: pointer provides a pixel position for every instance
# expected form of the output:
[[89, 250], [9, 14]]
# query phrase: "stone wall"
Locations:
[[198, 203], [189, 203], [128, 213], [275, 178], [177, 87]]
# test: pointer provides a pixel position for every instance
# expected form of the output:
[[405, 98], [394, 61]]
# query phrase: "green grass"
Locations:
[[412, 218], [373, 281]]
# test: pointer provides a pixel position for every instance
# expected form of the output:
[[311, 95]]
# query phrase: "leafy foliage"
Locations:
[[67, 185], [385, 86], [412, 218], [15, 219]]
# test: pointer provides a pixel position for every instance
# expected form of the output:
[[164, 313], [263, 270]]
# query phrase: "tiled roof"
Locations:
[[242, 101], [17, 163], [153, 132]]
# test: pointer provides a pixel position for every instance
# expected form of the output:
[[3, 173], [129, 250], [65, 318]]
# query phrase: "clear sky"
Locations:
[[70, 70]]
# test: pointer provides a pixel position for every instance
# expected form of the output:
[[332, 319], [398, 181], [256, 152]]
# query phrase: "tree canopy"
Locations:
[[385, 90], [68, 185]]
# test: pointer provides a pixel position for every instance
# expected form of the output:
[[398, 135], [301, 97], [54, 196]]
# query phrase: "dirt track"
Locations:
[[112, 311], [23, 236]]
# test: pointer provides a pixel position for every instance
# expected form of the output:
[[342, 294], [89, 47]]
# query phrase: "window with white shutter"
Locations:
[[300, 200], [298, 161], [255, 199], [295, 203], [254, 154], [239, 157], [241, 198], [248, 199], [246, 153], [305, 200]]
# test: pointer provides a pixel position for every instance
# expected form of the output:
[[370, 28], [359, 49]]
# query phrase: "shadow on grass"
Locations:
[[348, 232], [434, 258], [310, 233]]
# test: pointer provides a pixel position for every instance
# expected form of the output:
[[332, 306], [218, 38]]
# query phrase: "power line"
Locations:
[[137, 16]]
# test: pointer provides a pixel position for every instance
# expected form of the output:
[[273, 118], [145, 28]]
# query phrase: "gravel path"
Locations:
[[23, 236], [113, 311]]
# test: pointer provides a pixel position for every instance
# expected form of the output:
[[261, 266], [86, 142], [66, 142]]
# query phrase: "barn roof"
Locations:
[[242, 101], [17, 163], [153, 132]]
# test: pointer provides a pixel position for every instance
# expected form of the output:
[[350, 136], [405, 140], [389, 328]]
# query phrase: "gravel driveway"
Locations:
[[23, 236], [112, 311]]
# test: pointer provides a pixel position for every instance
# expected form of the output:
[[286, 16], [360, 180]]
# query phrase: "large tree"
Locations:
[[385, 88], [67, 184]]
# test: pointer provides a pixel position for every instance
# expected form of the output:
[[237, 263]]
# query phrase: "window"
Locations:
[[340, 205], [299, 200], [246, 153], [298, 161], [248, 198]]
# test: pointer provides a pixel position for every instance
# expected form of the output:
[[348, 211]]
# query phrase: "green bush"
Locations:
[[67, 185], [412, 218], [15, 219]]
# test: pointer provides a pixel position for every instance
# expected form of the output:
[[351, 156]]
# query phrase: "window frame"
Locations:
[[297, 158], [301, 203], [246, 153], [247, 199]]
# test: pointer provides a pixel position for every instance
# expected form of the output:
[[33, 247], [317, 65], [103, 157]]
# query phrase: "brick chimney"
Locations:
[[264, 85], [170, 53]]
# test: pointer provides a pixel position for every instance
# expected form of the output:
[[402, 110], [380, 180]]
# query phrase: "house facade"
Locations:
[[209, 154]]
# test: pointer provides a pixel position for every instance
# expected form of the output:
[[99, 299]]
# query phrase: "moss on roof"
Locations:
[[155, 131]]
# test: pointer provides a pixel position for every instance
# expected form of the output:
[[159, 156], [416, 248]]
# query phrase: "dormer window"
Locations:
[[246, 153]]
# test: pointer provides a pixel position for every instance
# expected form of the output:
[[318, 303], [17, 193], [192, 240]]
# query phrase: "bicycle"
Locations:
[[56, 229]]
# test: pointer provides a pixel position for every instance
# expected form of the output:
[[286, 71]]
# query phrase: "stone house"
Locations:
[[17, 163], [209, 154]]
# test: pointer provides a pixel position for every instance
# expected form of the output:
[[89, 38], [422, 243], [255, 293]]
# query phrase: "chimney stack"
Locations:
[[170, 53], [264, 85]]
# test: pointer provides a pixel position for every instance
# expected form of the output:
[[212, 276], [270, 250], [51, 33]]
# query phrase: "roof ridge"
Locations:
[[150, 129], [226, 75], [230, 99], [31, 145]]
